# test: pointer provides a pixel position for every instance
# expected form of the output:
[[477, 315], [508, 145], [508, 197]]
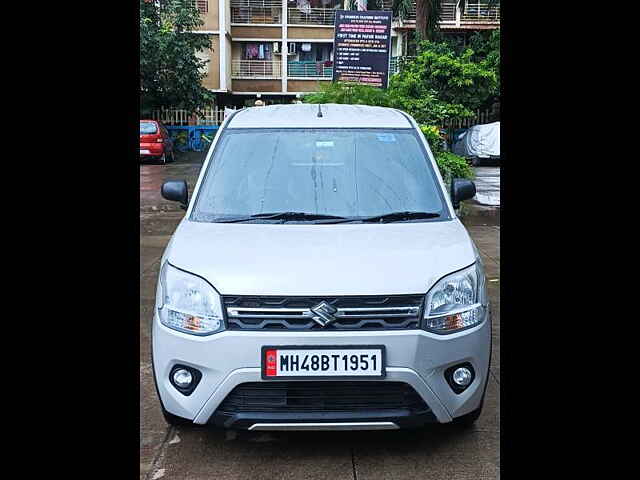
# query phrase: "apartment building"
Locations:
[[281, 49]]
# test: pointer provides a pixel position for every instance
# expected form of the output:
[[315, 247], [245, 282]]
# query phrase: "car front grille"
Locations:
[[322, 396], [382, 312]]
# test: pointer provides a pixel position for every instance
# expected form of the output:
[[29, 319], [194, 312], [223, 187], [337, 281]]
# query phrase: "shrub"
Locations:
[[354, 94], [449, 164], [452, 166], [432, 134], [441, 83]]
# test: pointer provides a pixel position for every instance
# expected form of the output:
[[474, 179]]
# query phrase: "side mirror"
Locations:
[[461, 189], [176, 191]]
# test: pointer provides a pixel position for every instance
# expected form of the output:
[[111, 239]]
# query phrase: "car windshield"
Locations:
[[343, 173], [147, 128]]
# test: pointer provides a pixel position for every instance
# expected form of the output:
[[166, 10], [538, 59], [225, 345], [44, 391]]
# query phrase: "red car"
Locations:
[[155, 142]]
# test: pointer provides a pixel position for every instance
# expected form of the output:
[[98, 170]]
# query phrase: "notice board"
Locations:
[[361, 47]]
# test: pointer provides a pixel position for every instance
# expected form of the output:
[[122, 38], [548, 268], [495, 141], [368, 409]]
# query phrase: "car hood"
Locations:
[[303, 259]]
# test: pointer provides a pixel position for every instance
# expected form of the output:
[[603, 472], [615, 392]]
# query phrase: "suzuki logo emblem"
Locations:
[[325, 313]]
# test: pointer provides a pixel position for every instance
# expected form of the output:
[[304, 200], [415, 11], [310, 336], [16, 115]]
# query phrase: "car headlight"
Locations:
[[457, 301], [187, 303]]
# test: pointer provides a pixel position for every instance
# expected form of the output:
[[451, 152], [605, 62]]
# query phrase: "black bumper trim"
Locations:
[[404, 418]]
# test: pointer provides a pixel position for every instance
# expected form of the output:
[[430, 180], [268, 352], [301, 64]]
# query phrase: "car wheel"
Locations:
[[475, 161]]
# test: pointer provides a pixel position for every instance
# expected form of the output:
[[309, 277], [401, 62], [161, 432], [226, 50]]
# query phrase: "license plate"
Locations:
[[313, 361], [145, 152]]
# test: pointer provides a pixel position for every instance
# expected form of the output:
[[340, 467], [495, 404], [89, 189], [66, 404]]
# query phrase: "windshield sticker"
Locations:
[[324, 144], [386, 137]]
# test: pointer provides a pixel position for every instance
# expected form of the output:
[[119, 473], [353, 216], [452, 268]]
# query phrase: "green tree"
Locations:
[[486, 49], [440, 84], [170, 74], [354, 94]]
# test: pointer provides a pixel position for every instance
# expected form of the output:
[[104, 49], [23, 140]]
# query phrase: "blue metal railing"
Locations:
[[195, 138], [308, 68]]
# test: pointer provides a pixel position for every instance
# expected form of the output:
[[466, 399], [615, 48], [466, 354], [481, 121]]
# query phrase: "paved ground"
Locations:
[[439, 452], [487, 185]]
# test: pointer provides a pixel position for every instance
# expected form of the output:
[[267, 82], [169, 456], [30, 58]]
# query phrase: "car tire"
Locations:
[[475, 161]]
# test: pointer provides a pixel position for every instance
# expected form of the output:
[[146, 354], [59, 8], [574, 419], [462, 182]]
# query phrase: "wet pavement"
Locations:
[[436, 452], [487, 185]]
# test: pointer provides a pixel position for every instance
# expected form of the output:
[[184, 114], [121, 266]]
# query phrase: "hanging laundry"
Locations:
[[251, 51], [304, 6]]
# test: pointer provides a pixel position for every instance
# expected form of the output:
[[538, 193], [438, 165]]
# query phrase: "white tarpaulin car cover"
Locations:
[[482, 141]]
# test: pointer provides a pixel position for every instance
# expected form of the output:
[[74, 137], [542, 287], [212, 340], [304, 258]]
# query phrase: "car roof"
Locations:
[[305, 115]]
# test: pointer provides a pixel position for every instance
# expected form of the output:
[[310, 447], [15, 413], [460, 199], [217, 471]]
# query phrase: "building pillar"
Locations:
[[222, 43], [285, 45], [399, 42]]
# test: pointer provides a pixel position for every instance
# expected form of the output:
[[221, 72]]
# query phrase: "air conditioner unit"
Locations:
[[276, 47], [292, 47]]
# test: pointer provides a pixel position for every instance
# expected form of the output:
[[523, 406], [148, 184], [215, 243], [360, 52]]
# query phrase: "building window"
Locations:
[[202, 5]]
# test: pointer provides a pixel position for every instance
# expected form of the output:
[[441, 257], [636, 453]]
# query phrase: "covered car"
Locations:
[[479, 142]]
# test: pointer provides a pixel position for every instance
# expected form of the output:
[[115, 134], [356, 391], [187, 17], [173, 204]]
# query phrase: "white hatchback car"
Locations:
[[320, 279]]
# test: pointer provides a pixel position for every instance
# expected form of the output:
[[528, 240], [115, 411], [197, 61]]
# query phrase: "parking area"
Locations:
[[436, 452], [487, 185]]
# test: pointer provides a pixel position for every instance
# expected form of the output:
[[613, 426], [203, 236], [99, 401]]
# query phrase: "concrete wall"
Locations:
[[211, 20], [212, 80], [256, 32], [256, 85], [305, 85], [310, 33]]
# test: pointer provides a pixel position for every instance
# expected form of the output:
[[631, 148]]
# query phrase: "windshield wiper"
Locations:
[[285, 216], [391, 217], [302, 216], [400, 216]]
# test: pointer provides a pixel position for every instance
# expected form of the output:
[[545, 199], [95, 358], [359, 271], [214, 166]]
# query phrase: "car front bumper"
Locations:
[[230, 358]]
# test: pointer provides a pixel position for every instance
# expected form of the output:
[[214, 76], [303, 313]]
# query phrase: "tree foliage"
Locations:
[[438, 84], [349, 93], [487, 50], [170, 71]]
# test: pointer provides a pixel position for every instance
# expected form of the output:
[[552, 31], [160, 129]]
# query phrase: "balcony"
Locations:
[[258, 12], [310, 68], [451, 16], [480, 12], [311, 16], [448, 12], [256, 69], [388, 5]]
